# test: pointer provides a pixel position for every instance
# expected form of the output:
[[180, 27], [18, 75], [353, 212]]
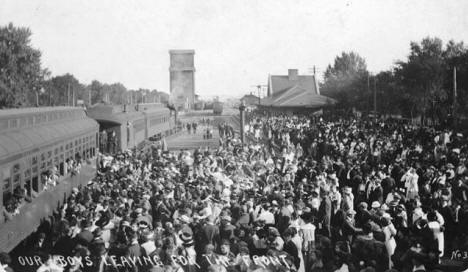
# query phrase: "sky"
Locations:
[[237, 43]]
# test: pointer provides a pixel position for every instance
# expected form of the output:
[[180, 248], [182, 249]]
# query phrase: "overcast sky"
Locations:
[[237, 43]]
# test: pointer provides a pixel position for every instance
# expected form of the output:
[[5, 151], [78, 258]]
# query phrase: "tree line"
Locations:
[[432, 83], [25, 83]]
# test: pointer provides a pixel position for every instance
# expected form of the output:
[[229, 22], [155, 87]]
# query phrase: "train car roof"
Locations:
[[123, 113], [23, 111], [28, 129]]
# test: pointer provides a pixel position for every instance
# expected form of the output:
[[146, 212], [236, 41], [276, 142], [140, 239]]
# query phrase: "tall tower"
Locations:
[[182, 78]]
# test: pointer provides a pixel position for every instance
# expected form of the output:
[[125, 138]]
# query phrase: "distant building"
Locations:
[[250, 100], [294, 93], [182, 78]]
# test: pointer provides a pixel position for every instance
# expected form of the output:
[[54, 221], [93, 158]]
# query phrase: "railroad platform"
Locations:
[[192, 141]]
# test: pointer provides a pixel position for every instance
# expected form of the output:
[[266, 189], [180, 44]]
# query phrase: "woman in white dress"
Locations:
[[297, 240], [437, 229], [390, 232]]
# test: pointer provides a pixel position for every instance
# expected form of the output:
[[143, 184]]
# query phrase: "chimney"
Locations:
[[292, 74]]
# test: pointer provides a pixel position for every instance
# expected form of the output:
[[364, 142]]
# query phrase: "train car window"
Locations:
[[62, 168], [76, 142], [16, 168], [3, 124], [49, 154], [43, 165], [49, 163], [61, 148], [27, 173], [6, 185], [34, 169], [16, 180], [35, 184], [27, 186], [13, 123], [23, 122], [56, 151], [43, 157], [34, 160]]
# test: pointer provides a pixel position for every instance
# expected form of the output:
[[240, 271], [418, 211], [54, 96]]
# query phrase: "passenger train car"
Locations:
[[44, 153], [123, 127]]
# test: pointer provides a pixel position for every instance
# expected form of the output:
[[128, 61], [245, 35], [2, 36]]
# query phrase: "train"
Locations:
[[217, 108], [123, 127], [37, 144], [46, 152]]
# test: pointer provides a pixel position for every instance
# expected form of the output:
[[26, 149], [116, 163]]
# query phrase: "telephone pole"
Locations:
[[368, 86], [454, 91], [68, 94], [375, 97]]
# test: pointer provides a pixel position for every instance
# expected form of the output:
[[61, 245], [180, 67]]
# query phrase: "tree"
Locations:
[[423, 76], [61, 90], [21, 75], [346, 80], [117, 93], [456, 56]]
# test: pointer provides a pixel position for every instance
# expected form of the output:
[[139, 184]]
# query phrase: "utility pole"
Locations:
[[68, 94], [259, 88], [454, 91], [368, 85], [375, 97]]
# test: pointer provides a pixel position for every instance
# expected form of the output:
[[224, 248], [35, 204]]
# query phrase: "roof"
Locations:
[[282, 83], [115, 113], [182, 51], [23, 111], [18, 141], [297, 96]]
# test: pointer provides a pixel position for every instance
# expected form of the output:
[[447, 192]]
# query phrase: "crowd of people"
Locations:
[[309, 195]]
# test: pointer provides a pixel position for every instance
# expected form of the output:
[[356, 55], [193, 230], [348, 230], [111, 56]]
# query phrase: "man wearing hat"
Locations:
[[85, 237], [225, 250], [188, 250], [147, 242], [349, 229], [211, 232], [227, 229]]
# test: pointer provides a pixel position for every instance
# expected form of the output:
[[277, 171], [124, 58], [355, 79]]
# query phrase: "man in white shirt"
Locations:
[[266, 215]]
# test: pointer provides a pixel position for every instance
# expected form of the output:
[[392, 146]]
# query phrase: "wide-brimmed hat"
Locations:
[[351, 212], [187, 239], [347, 190], [375, 205], [226, 218], [184, 219]]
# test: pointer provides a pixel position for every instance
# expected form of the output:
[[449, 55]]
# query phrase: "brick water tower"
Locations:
[[182, 78]]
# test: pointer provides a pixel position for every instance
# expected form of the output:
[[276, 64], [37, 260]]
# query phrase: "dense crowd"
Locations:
[[307, 195]]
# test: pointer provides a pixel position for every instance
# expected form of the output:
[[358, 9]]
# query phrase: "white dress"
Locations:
[[438, 234], [298, 242], [390, 242]]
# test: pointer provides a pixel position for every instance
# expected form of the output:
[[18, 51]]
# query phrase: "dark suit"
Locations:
[[211, 233], [85, 237], [290, 248], [325, 215]]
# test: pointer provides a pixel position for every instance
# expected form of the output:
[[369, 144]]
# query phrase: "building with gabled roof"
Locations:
[[294, 93]]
